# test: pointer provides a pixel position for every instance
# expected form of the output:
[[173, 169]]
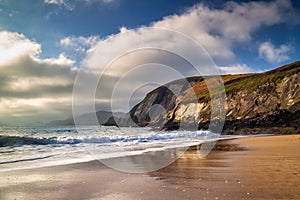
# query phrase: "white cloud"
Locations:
[[38, 88], [14, 46], [61, 60], [54, 1], [79, 42], [77, 47], [62, 3], [274, 54], [35, 102], [26, 83], [235, 69], [238, 20], [123, 29], [235, 22], [100, 1]]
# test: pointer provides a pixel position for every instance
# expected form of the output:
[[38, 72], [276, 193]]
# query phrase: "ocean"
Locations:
[[33, 147]]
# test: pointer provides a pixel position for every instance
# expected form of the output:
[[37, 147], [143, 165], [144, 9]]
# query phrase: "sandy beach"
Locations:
[[250, 168]]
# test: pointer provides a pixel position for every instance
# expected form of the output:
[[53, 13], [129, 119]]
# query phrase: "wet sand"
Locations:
[[249, 168]]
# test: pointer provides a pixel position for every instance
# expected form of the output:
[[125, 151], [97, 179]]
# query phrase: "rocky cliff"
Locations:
[[266, 102]]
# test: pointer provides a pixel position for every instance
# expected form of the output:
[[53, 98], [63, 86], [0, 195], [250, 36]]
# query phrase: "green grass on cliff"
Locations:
[[242, 82]]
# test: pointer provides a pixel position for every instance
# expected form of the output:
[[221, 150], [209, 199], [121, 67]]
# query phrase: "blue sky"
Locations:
[[47, 23], [43, 44]]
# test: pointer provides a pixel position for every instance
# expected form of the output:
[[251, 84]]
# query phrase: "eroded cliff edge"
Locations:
[[266, 102]]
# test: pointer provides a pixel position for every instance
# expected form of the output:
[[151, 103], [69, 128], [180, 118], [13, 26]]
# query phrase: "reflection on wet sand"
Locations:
[[155, 160], [146, 162], [193, 167]]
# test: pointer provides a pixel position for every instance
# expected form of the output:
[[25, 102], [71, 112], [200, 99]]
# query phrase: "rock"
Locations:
[[266, 102]]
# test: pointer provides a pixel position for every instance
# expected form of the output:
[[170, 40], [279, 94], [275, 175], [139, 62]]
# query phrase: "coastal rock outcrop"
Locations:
[[266, 102]]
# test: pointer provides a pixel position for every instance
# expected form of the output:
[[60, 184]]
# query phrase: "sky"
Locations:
[[54, 50]]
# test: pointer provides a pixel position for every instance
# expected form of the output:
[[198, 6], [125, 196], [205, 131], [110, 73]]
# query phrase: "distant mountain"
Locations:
[[88, 119], [266, 102], [66, 122]]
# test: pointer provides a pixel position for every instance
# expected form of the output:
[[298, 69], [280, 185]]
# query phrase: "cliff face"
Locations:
[[153, 108], [268, 102]]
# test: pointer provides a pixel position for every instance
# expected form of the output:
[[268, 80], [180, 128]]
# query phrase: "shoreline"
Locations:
[[265, 167], [177, 149]]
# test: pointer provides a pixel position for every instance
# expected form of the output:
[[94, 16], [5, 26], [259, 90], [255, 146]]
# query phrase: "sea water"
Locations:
[[32, 147]]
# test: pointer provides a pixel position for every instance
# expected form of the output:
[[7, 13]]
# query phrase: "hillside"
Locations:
[[266, 102], [103, 117]]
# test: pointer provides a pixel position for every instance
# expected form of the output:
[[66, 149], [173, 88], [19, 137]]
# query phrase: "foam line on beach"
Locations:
[[89, 157]]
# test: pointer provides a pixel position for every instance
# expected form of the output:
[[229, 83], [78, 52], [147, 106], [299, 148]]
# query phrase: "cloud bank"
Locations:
[[32, 88]]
